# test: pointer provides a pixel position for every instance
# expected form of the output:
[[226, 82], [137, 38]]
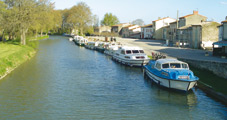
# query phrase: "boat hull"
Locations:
[[168, 83], [130, 62]]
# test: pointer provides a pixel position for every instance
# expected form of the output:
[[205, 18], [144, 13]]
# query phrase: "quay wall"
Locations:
[[218, 68]]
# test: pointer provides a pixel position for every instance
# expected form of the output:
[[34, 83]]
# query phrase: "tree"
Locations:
[[79, 17], [139, 22], [109, 20]]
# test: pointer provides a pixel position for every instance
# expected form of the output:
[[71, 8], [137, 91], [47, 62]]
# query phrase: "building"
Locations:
[[196, 36], [194, 31], [147, 31], [158, 26], [172, 32], [118, 28], [220, 47], [102, 29], [130, 30], [191, 19]]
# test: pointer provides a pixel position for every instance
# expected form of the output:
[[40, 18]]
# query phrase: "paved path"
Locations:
[[157, 46]]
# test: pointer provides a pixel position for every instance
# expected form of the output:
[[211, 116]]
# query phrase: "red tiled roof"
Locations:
[[224, 21], [194, 13]]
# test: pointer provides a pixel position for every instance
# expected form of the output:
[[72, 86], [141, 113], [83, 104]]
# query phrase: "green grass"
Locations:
[[150, 57], [12, 55], [206, 77]]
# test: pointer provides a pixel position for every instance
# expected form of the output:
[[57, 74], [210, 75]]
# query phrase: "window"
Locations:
[[175, 65], [135, 51], [141, 51], [128, 52], [165, 65], [184, 66], [122, 52], [158, 65]]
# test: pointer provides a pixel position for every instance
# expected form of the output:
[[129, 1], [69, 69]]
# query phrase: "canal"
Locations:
[[64, 81]]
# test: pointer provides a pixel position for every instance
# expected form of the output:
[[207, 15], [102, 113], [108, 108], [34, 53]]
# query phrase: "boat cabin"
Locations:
[[170, 64], [131, 50]]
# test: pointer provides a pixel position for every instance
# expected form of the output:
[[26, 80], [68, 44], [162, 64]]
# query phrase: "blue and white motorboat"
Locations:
[[171, 73]]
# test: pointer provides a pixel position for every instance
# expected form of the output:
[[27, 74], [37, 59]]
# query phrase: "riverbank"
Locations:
[[12, 54]]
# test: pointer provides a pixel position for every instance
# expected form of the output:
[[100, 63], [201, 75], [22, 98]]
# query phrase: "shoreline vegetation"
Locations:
[[12, 54]]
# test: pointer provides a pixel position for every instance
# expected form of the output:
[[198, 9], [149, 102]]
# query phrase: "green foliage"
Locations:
[[109, 20], [79, 18], [19, 18]]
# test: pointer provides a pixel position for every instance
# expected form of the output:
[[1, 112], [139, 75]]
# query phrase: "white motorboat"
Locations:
[[111, 48], [132, 56]]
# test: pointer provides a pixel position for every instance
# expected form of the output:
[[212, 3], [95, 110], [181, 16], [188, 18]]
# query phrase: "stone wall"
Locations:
[[219, 69]]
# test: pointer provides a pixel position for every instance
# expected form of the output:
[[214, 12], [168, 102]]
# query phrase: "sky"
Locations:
[[150, 10]]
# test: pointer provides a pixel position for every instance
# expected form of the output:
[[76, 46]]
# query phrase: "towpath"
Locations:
[[173, 52]]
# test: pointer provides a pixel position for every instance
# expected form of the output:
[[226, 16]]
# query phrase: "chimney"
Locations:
[[195, 12], [226, 18]]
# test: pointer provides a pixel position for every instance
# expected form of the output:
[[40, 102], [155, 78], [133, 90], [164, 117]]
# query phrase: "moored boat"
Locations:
[[132, 56], [70, 39], [171, 73], [91, 45], [101, 46], [111, 48]]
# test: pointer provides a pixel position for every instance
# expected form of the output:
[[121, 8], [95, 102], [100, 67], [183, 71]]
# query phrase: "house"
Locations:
[[130, 30], [102, 29], [147, 31], [172, 32], [158, 26], [191, 19], [195, 32], [118, 28], [198, 35], [221, 49]]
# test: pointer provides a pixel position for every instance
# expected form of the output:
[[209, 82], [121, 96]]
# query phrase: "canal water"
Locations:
[[64, 81]]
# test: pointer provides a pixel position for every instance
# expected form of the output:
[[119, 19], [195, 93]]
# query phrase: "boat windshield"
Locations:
[[184, 66], [175, 65], [165, 65], [141, 51], [128, 52], [135, 51]]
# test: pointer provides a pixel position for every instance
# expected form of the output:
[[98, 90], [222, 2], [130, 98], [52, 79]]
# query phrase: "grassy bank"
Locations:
[[12, 55]]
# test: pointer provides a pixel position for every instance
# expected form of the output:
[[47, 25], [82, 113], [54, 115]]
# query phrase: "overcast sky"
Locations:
[[149, 10]]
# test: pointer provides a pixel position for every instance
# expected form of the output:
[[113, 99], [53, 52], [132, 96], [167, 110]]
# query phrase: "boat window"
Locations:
[[158, 65], [141, 51], [135, 51], [128, 52], [165, 65], [122, 52], [184, 66], [175, 65]]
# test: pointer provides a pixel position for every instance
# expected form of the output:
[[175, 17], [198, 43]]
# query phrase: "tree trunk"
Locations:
[[23, 37], [3, 36], [41, 33], [36, 34]]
